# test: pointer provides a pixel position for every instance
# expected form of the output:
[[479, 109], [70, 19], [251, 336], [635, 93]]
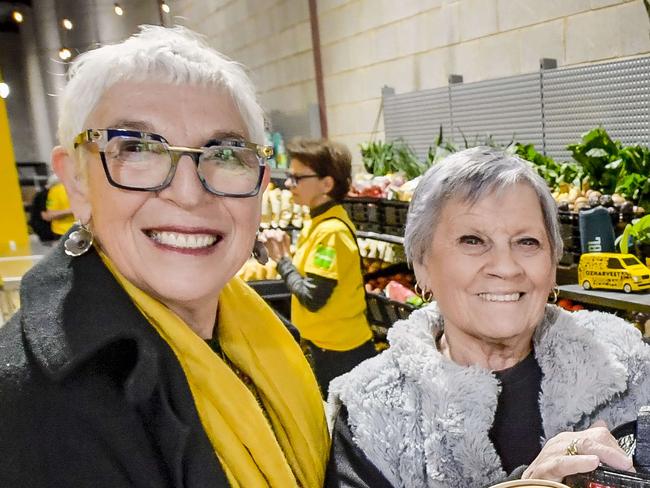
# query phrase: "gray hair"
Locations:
[[168, 55], [470, 175]]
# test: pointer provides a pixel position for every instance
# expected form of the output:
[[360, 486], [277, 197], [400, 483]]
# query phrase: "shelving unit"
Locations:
[[381, 237], [631, 302]]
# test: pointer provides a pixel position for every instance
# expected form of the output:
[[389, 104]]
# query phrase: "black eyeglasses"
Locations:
[[143, 161], [295, 179]]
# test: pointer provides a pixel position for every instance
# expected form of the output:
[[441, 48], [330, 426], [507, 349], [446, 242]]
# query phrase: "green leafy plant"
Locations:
[[554, 173], [381, 158], [598, 154], [377, 157], [638, 232], [613, 168], [441, 148]]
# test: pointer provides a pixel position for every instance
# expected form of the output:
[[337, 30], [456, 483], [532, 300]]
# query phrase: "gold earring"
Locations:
[[554, 295], [425, 295]]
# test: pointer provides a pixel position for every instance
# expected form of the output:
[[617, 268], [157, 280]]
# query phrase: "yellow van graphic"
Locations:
[[613, 271]]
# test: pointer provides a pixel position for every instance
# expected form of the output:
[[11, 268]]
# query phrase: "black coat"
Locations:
[[90, 395]]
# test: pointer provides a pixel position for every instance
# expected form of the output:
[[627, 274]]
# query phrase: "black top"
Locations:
[[517, 429], [348, 466], [90, 394]]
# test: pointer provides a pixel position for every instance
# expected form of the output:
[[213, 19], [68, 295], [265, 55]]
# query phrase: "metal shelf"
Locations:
[[381, 237], [633, 302]]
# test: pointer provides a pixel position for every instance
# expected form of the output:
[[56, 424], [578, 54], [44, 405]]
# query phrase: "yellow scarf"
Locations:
[[289, 452]]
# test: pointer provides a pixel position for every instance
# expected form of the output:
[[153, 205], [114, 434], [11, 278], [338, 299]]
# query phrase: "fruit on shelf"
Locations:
[[279, 210], [570, 198], [254, 271]]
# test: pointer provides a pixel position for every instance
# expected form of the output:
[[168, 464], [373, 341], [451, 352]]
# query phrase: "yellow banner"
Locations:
[[14, 239]]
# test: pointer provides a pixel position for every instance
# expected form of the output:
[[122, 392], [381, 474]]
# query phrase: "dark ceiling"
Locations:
[[7, 24]]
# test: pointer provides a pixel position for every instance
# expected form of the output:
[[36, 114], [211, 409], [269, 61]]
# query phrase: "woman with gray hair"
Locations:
[[489, 380], [138, 358]]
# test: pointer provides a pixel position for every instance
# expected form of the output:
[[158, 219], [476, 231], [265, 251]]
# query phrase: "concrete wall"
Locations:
[[273, 39], [409, 45]]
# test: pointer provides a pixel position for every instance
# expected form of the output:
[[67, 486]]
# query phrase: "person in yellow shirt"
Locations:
[[328, 299], [58, 210]]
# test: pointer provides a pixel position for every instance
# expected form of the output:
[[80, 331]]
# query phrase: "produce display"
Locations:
[[380, 252], [598, 163], [571, 198], [395, 282], [569, 305], [254, 271], [280, 211]]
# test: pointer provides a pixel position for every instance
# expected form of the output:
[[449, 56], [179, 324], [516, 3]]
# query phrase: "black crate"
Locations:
[[363, 210], [275, 293], [394, 212], [393, 230], [384, 312], [368, 227]]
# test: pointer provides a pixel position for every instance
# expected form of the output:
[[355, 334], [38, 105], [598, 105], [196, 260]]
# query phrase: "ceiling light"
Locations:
[[164, 7], [4, 90], [64, 53], [118, 10], [67, 24], [17, 16]]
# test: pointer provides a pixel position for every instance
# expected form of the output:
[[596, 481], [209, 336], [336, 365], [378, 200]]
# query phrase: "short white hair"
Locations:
[[168, 55], [469, 176]]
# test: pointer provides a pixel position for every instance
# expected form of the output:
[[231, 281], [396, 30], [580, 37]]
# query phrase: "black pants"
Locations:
[[328, 364]]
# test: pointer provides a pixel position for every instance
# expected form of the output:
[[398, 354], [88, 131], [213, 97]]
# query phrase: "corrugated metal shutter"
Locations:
[[416, 117], [503, 109], [550, 112], [615, 95]]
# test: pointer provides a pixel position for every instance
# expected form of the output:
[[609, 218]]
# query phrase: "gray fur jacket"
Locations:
[[423, 420]]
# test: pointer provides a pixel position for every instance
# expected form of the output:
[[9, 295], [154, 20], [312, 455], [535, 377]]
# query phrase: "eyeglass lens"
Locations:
[[144, 164]]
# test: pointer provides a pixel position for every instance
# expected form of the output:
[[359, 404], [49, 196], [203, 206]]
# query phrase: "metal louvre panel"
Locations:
[[503, 109], [416, 118], [615, 95]]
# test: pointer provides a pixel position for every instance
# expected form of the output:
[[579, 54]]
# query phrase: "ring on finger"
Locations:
[[572, 448]]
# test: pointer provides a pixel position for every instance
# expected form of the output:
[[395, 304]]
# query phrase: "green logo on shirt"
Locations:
[[324, 257]]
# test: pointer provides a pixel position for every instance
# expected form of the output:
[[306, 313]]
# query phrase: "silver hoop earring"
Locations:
[[79, 241], [554, 295], [425, 295]]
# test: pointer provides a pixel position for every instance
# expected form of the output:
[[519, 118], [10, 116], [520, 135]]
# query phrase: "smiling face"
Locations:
[[490, 267], [181, 244]]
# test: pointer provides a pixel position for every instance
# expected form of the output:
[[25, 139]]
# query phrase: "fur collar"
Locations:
[[424, 420]]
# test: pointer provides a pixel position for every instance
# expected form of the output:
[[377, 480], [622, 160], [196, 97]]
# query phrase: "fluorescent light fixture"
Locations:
[[4, 90], [64, 53]]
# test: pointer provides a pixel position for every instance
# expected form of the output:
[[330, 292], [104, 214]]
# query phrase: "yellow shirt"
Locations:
[[57, 199], [326, 248]]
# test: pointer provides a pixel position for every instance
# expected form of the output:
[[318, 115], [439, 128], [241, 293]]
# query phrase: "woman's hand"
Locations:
[[277, 243], [578, 452]]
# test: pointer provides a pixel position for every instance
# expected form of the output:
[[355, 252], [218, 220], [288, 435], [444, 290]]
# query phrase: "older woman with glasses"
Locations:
[[137, 359], [328, 304]]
